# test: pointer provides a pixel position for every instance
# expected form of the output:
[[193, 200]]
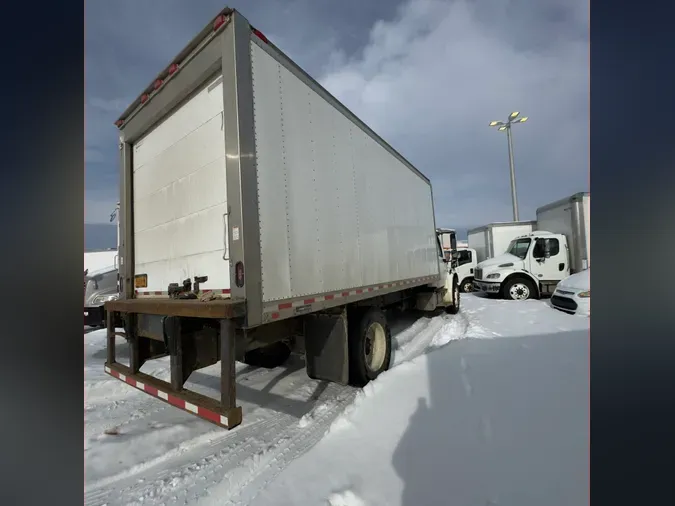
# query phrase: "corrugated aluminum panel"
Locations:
[[337, 210]]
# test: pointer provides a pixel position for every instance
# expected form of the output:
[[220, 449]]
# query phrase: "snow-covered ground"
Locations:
[[499, 416]]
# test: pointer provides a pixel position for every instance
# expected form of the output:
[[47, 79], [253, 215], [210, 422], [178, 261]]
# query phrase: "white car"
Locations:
[[573, 294]]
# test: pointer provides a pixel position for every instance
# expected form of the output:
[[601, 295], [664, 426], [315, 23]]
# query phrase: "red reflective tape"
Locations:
[[208, 415], [151, 390], [345, 294], [329, 297], [359, 291], [275, 316], [370, 289], [309, 301], [175, 401], [131, 381], [285, 305]]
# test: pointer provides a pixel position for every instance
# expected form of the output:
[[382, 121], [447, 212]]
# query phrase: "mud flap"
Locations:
[[326, 347]]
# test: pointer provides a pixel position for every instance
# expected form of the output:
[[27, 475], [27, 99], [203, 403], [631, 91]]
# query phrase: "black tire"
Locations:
[[369, 346], [454, 307], [268, 357], [519, 289], [466, 286]]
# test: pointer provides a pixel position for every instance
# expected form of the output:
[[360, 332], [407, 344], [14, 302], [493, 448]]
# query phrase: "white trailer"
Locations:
[[492, 239], [536, 262], [97, 260], [259, 216]]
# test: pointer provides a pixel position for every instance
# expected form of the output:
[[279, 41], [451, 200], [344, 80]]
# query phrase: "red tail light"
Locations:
[[219, 21], [172, 68], [260, 35], [144, 98], [158, 83]]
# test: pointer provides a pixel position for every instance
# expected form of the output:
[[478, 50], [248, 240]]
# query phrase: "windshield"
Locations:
[[519, 247]]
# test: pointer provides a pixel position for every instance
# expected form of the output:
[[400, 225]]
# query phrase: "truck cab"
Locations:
[[100, 286], [466, 266], [448, 259], [532, 266]]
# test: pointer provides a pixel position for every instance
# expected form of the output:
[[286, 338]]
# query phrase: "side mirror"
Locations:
[[454, 255]]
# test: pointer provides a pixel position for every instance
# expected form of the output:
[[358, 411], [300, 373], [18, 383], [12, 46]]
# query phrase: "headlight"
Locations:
[[585, 295], [494, 275], [102, 299]]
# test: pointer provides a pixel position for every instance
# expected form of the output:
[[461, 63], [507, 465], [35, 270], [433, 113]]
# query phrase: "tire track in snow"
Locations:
[[433, 333], [241, 463], [144, 483], [305, 437]]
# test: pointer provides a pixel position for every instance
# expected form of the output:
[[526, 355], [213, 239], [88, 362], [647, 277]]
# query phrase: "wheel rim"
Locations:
[[375, 347], [519, 291], [468, 286]]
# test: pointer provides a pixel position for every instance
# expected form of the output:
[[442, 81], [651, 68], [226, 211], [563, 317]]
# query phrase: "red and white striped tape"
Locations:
[[207, 414], [151, 293], [274, 309]]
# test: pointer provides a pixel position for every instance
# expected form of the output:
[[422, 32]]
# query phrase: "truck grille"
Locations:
[[479, 274], [563, 303]]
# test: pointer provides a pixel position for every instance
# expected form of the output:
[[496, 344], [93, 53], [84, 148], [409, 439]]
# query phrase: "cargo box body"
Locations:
[[570, 217], [237, 166], [493, 239]]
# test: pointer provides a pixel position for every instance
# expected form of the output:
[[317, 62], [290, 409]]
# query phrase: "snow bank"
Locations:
[[495, 414], [482, 421]]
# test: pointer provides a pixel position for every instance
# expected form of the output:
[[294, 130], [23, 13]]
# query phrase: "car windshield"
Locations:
[[519, 247]]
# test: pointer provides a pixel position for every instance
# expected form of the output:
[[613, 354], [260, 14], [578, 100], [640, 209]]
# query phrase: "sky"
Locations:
[[427, 75]]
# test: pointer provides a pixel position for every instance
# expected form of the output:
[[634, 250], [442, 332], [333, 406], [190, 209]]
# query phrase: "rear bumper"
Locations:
[[485, 287], [93, 316]]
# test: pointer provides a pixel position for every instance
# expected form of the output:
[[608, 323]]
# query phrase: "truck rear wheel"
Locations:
[[369, 346], [268, 357], [520, 289]]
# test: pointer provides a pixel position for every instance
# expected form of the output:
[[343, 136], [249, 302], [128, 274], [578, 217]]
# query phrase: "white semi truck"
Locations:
[[494, 238], [534, 263], [101, 280], [260, 217]]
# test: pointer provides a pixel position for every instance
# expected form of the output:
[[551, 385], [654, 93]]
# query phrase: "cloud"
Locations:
[[430, 80], [427, 75]]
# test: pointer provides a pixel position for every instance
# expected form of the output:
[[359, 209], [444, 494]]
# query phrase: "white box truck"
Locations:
[[101, 280], [536, 262], [259, 216], [492, 239]]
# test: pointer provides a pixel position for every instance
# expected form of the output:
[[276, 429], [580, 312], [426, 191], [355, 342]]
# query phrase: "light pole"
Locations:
[[506, 127]]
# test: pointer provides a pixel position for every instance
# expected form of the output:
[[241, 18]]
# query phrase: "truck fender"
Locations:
[[523, 274]]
